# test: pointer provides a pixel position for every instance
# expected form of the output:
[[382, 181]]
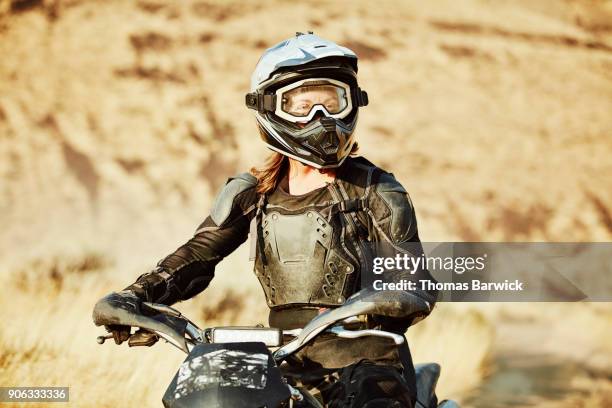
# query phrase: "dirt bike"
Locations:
[[242, 366]]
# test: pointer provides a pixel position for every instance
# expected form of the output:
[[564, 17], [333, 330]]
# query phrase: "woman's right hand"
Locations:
[[126, 300]]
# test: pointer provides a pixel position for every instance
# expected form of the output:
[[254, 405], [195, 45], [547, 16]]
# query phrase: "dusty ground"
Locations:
[[120, 119]]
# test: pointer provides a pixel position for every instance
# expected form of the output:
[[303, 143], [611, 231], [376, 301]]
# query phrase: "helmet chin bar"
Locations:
[[324, 143]]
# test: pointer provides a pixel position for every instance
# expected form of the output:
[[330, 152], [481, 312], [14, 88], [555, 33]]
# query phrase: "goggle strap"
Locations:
[[260, 102]]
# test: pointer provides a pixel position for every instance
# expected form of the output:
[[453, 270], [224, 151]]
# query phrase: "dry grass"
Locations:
[[51, 341], [439, 339]]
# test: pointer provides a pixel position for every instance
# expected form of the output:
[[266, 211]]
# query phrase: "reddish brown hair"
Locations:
[[273, 170]]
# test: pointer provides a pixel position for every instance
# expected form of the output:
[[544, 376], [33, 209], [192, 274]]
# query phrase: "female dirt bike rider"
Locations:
[[314, 213]]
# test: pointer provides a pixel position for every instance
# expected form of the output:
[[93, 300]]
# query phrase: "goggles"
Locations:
[[301, 100]]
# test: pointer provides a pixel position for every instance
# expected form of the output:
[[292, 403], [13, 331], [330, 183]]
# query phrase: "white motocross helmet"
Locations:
[[316, 131]]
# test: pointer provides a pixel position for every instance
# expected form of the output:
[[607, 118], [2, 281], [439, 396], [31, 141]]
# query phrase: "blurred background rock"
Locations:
[[119, 121]]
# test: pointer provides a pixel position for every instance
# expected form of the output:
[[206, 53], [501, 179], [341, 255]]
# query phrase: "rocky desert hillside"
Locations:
[[119, 121]]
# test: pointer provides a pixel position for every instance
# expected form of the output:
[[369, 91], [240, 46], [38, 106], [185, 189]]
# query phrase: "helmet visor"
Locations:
[[299, 101]]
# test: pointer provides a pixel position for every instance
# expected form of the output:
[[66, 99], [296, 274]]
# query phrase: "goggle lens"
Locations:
[[300, 101]]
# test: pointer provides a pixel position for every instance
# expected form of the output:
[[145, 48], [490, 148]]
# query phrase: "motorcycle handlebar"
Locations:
[[193, 335]]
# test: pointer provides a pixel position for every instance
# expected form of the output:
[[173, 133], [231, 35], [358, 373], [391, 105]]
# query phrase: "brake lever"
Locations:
[[143, 338], [102, 339]]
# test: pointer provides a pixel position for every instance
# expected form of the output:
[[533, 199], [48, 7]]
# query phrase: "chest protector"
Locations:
[[306, 258]]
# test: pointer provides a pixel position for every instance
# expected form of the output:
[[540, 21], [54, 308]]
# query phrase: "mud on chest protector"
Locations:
[[302, 262]]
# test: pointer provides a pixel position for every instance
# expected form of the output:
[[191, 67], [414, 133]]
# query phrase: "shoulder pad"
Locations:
[[362, 161], [388, 183], [224, 202], [403, 221]]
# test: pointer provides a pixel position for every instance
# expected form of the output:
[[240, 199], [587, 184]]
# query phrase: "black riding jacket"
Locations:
[[310, 250]]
